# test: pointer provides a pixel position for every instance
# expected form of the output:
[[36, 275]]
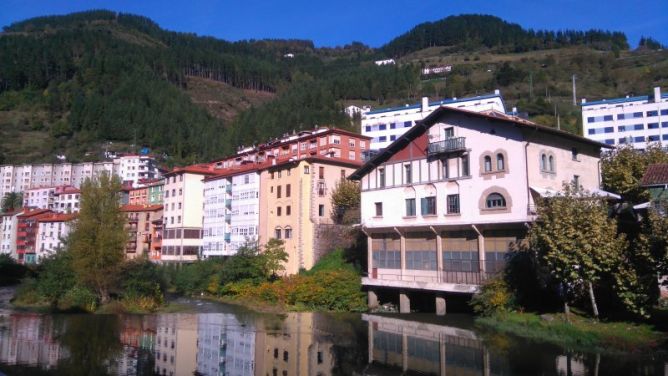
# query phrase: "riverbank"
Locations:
[[580, 334]]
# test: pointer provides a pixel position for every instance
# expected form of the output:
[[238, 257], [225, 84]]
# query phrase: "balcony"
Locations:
[[449, 145], [228, 203], [228, 218], [228, 189], [228, 236]]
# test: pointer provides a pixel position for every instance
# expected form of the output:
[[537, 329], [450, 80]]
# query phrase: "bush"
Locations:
[[494, 297], [142, 279], [78, 298]]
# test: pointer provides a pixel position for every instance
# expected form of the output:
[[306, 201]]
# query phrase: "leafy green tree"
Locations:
[[346, 202], [273, 258], [624, 167], [577, 243], [12, 201], [98, 236], [56, 276]]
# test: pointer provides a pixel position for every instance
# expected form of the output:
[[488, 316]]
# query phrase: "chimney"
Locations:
[[425, 104], [657, 94]]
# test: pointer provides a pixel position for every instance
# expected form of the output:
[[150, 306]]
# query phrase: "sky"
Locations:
[[373, 22]]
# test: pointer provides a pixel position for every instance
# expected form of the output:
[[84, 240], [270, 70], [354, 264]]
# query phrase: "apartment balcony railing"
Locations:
[[449, 145]]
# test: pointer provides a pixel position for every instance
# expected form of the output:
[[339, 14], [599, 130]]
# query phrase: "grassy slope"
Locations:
[[581, 333]]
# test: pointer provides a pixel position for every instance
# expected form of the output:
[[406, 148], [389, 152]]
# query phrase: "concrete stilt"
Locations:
[[372, 299], [440, 305], [404, 303]]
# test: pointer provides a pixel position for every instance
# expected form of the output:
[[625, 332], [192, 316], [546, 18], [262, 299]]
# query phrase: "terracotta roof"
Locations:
[[27, 213], [140, 208], [422, 126], [202, 169], [656, 174], [57, 217], [67, 189]]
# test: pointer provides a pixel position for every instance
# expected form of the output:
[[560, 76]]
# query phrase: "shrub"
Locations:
[[77, 298], [142, 279], [494, 297]]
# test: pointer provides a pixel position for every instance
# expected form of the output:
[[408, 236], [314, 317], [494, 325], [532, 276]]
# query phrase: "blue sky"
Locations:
[[374, 22]]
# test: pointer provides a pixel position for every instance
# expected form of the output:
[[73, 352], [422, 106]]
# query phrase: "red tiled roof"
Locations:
[[202, 169], [57, 217], [656, 174], [27, 213], [140, 208]]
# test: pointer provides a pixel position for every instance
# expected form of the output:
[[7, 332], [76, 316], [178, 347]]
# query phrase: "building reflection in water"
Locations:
[[225, 346], [28, 339]]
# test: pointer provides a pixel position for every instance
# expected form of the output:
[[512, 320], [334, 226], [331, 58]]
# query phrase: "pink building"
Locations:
[[444, 204]]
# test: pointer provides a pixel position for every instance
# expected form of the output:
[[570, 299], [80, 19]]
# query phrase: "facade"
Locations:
[[225, 347], [387, 124], [61, 199], [8, 233], [39, 198], [444, 204], [52, 231], [231, 210], [26, 234], [141, 221], [636, 121], [183, 211], [295, 202], [132, 168], [176, 344]]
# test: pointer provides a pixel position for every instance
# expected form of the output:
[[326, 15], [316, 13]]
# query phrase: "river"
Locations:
[[218, 339]]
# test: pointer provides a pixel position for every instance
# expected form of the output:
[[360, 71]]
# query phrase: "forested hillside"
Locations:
[[85, 82]]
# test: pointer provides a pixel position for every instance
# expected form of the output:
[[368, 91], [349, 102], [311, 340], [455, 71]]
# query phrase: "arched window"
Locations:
[[488, 163], [288, 232], [543, 162], [551, 163], [500, 163], [277, 233], [495, 200]]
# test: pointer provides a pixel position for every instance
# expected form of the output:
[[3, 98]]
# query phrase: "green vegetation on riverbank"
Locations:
[[580, 333]]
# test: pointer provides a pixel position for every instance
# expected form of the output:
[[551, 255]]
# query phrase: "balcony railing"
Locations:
[[449, 145]]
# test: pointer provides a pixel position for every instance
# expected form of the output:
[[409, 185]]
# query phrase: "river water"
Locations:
[[218, 339]]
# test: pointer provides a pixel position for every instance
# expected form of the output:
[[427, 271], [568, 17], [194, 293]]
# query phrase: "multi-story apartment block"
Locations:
[[636, 121], [295, 201], [52, 231], [61, 199], [231, 210], [26, 234], [183, 211], [133, 168], [38, 198], [8, 233], [146, 192], [445, 202], [141, 221], [176, 344], [387, 124], [224, 346]]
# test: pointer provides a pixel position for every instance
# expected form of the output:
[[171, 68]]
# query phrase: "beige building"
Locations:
[[140, 224], [176, 345], [295, 201]]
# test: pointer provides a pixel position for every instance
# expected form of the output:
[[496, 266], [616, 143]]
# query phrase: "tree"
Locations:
[[98, 237], [623, 168], [56, 276], [274, 257], [12, 201], [346, 202], [576, 242]]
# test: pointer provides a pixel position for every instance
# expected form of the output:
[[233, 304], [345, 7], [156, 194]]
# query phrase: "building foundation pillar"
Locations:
[[404, 303], [440, 305], [372, 299]]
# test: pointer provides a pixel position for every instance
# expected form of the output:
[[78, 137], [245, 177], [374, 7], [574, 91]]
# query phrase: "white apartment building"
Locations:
[[385, 125], [38, 198], [8, 228], [52, 231], [444, 204], [132, 168], [637, 121], [224, 346], [182, 224], [231, 210], [61, 199]]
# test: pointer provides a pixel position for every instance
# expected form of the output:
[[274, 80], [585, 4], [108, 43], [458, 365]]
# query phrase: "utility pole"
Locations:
[[574, 96]]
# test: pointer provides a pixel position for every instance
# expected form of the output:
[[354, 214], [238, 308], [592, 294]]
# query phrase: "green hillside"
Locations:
[[90, 81]]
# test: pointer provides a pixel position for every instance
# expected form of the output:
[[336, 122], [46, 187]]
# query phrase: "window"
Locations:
[[446, 168], [393, 138], [288, 233], [653, 126], [379, 209], [449, 132], [285, 356], [407, 124], [393, 125], [428, 205], [574, 154], [368, 128], [381, 127], [382, 138], [288, 210], [466, 171], [321, 210], [453, 204], [408, 174], [488, 163], [381, 177], [543, 162], [321, 172], [307, 170], [410, 207], [500, 165], [495, 200], [277, 233], [576, 181], [278, 191], [652, 113], [278, 211], [287, 190]]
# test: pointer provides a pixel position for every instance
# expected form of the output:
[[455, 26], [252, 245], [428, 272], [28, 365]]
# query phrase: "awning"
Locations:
[[644, 205], [547, 192]]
